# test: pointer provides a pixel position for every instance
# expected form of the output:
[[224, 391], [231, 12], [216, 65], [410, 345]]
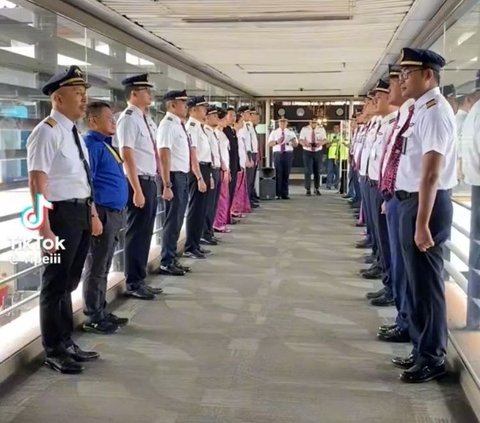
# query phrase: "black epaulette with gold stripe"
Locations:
[[50, 122], [392, 120], [170, 119], [431, 103], [129, 112], [192, 123]]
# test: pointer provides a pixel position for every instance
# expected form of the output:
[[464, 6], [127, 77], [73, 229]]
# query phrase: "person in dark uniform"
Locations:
[[111, 194], [199, 182], [425, 177], [211, 121], [136, 138], [57, 161], [283, 141], [251, 122], [234, 158], [174, 144]]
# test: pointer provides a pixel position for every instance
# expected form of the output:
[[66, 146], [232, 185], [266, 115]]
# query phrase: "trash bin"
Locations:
[[267, 183]]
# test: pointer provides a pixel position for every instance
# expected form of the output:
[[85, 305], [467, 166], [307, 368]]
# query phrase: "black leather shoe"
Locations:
[[363, 244], [377, 294], [140, 294], [386, 328], [286, 197], [204, 251], [186, 269], [394, 335], [76, 353], [317, 192], [194, 254], [171, 270], [373, 268], [154, 290], [104, 327], [382, 301], [421, 373], [360, 225], [63, 364], [372, 275], [308, 193], [404, 362], [120, 321], [254, 205], [369, 259], [208, 241]]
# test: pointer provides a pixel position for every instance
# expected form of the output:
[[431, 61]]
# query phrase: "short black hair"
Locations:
[[95, 107]]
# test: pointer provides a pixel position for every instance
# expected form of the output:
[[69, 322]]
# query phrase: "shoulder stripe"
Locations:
[[192, 123], [431, 103], [50, 122], [170, 119], [129, 112]]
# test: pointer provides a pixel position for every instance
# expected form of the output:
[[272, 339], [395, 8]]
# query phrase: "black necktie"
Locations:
[[76, 137]]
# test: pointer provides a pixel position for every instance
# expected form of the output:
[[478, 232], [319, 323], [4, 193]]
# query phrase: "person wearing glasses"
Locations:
[[425, 175], [136, 139]]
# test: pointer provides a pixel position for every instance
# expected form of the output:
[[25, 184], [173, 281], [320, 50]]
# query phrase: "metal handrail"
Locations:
[[466, 206], [33, 268], [455, 250]]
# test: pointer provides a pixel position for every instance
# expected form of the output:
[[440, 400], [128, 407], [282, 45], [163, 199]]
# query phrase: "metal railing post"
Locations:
[[473, 292]]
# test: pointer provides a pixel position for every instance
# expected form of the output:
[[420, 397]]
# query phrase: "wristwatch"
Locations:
[[200, 179], [168, 185]]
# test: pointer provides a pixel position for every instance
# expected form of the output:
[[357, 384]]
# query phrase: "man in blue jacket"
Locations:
[[111, 194]]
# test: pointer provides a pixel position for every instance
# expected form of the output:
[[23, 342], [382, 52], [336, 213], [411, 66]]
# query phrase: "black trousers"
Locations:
[[283, 166], [138, 235], [343, 188], [232, 185], [380, 232], [197, 208], [69, 222], [98, 263], [428, 317], [212, 204], [251, 176], [174, 217], [311, 163]]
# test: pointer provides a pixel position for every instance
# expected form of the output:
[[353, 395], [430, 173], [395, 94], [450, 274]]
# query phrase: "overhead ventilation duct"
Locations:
[[268, 19]]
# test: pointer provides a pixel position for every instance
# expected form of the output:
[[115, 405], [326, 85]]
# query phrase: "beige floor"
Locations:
[[272, 328]]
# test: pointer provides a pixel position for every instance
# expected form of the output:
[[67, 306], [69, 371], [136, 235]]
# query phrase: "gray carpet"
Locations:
[[272, 328]]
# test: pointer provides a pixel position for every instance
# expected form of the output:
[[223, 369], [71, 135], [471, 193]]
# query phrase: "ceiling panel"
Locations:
[[329, 45]]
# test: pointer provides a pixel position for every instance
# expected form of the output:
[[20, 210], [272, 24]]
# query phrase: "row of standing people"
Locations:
[[403, 156], [206, 169]]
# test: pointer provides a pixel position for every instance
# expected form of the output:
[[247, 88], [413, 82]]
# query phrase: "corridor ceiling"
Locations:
[[285, 47]]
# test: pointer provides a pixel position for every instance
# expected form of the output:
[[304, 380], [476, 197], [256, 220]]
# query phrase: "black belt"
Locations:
[[208, 164], [404, 195], [147, 177], [373, 183], [109, 209], [83, 201]]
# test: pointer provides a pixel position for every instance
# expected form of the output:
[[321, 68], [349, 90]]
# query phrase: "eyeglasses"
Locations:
[[405, 72]]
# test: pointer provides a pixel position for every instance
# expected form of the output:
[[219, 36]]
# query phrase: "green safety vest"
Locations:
[[337, 150]]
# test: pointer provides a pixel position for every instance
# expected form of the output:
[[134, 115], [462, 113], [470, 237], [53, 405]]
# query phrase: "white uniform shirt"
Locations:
[[51, 149], [460, 119], [245, 137], [402, 118], [359, 140], [224, 148], [133, 132], [242, 152], [253, 137], [199, 140], [172, 136], [376, 152], [367, 144], [306, 134], [214, 146], [276, 135], [432, 129], [471, 146]]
